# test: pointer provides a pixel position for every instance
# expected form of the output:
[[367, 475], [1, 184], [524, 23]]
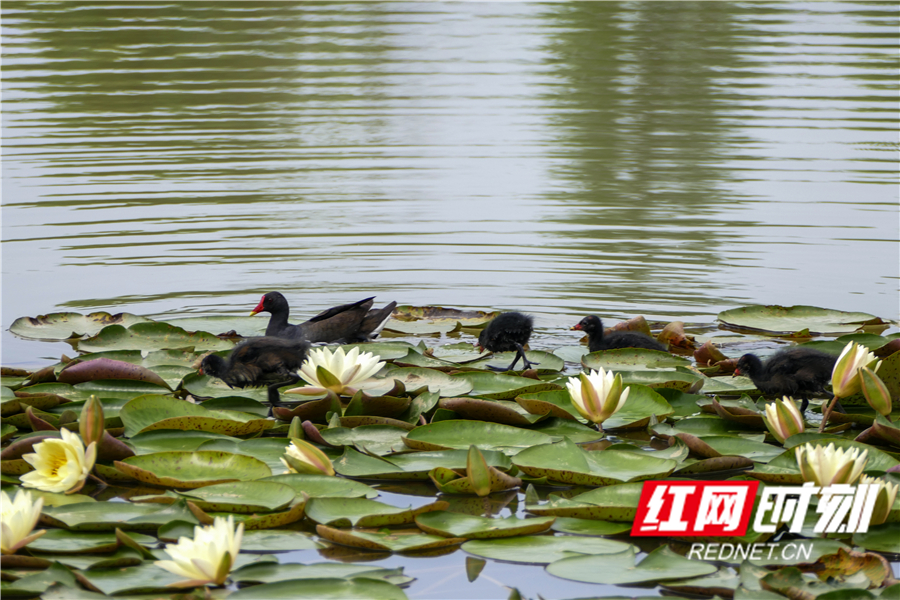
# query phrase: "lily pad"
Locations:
[[162, 440], [633, 359], [324, 486], [107, 516], [557, 403], [415, 378], [380, 439], [192, 469], [462, 434], [574, 526], [499, 386], [322, 589], [880, 538], [151, 412], [544, 549], [204, 386], [272, 572], [545, 362], [64, 541], [661, 564], [642, 404], [106, 368], [398, 541], [494, 411], [68, 325], [219, 324], [359, 512], [151, 336], [242, 496], [791, 319], [452, 524], [413, 466]]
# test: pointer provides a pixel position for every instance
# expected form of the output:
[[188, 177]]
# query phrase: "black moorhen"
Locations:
[[507, 332], [354, 322], [593, 327], [257, 362], [800, 372]]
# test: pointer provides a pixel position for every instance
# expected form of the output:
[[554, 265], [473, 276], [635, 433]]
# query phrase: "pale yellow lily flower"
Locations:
[[209, 557], [60, 465], [343, 373], [17, 518], [597, 395], [303, 457], [783, 419], [887, 494], [829, 465]]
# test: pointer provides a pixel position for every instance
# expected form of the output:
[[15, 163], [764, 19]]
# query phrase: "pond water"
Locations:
[[618, 158]]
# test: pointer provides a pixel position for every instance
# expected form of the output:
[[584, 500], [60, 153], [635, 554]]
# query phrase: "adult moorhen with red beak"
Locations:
[[265, 361], [507, 332], [593, 327], [354, 322], [800, 372]]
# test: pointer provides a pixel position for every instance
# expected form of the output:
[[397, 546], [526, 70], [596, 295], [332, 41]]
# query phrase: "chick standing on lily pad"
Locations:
[[507, 332], [343, 373]]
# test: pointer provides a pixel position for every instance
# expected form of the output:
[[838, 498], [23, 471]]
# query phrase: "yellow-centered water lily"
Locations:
[[876, 393], [829, 465], [783, 419], [60, 465], [303, 457], [208, 558], [597, 395], [887, 494], [17, 518], [845, 380], [344, 373]]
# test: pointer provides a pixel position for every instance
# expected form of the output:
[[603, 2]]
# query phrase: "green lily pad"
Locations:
[[268, 450], [783, 468], [151, 412], [205, 386], [733, 446], [574, 526], [567, 463], [572, 354], [276, 540], [360, 512], [324, 486], [68, 325], [395, 541], [242, 496], [642, 404], [544, 549], [557, 403], [163, 440], [380, 439], [462, 434], [792, 319], [272, 572], [501, 386], [676, 380], [573, 430], [880, 538], [619, 360], [64, 541], [149, 360], [151, 336], [192, 469], [322, 589], [384, 350], [452, 524], [661, 564], [107, 516], [219, 324], [545, 362], [116, 558], [33, 585], [412, 466], [415, 378]]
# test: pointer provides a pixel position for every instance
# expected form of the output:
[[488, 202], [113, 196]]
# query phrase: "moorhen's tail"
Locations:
[[374, 322], [338, 323]]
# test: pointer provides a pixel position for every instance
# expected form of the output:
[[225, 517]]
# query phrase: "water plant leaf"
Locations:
[[412, 466], [556, 403], [633, 359], [642, 404], [107, 516], [380, 439], [395, 541], [324, 588], [574, 526], [115, 559], [151, 412], [379, 406], [449, 481], [462, 434], [219, 324], [660, 565], [162, 440], [567, 463], [880, 538], [415, 378], [452, 524], [360, 512], [151, 336], [791, 319], [545, 361], [205, 386], [324, 486], [500, 386], [33, 585], [242, 497], [192, 469], [269, 450], [106, 368], [494, 411], [612, 503], [545, 549], [385, 350], [68, 325], [272, 572], [64, 541]]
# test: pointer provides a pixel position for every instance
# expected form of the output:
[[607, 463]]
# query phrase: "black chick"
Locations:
[[593, 327], [257, 362], [799, 372], [507, 332]]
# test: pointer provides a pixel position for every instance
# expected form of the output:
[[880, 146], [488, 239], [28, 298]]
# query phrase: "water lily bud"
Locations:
[[17, 518], [303, 457], [829, 465], [876, 393], [597, 396], [783, 419], [845, 380], [90, 424], [296, 429], [887, 494], [209, 557]]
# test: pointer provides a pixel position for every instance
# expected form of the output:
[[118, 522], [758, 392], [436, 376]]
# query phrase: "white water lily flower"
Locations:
[[339, 372], [60, 465], [829, 465], [17, 518], [209, 557], [597, 395], [845, 379], [303, 457], [783, 419], [887, 494]]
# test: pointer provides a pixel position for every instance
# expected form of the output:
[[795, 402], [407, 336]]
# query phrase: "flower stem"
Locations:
[[826, 414]]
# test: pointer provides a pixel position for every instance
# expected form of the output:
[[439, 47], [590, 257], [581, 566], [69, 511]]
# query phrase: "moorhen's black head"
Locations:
[[590, 325], [213, 365], [271, 303], [749, 365]]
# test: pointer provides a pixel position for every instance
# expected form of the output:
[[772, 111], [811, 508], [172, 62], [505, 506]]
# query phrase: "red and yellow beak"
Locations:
[[576, 327], [259, 307]]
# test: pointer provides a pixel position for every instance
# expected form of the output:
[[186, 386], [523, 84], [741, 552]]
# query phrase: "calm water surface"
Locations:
[[665, 159]]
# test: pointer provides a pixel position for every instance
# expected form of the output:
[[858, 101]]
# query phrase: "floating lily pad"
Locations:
[[241, 325], [64, 326], [242, 496], [792, 319], [494, 411], [544, 361], [594, 527], [633, 359], [452, 524], [272, 572], [268, 450], [880, 538], [149, 360], [415, 378], [151, 412], [380, 439], [106, 368], [557, 403], [151, 336], [116, 558], [499, 386], [107, 516], [359, 512], [324, 486], [162, 440], [33, 585], [413, 466], [659, 565], [63, 541], [204, 386], [384, 350], [399, 541], [544, 549], [322, 589], [462, 434], [192, 469], [642, 404]]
